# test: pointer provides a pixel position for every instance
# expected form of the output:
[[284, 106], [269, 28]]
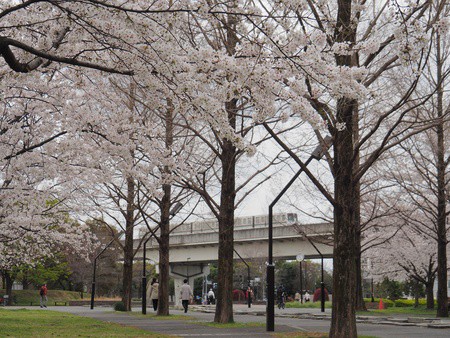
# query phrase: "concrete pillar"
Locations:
[[181, 271]]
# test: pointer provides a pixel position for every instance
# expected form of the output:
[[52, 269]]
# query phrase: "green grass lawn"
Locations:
[[38, 323], [410, 311], [420, 311], [28, 297]]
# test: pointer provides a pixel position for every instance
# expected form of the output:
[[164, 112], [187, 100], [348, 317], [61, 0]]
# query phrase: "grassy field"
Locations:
[[36, 323], [31, 297], [420, 311], [411, 311]]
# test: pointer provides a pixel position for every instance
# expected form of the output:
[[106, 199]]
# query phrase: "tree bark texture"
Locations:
[[345, 255], [128, 253], [163, 296], [224, 299], [343, 321], [429, 294], [442, 294]]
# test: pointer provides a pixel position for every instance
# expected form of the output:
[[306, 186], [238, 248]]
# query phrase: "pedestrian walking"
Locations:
[[43, 293], [153, 293], [185, 295], [211, 297], [249, 295]]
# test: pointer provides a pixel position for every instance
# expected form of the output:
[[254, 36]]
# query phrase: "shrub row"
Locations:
[[387, 302]]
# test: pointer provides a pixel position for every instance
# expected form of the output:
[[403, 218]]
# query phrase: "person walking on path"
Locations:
[[211, 297], [153, 293], [43, 293], [185, 295], [249, 295]]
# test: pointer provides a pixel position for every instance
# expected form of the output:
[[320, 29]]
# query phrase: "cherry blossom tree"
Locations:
[[352, 63]]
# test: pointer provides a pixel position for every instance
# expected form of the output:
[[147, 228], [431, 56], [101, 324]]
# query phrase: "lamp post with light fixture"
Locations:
[[270, 309]]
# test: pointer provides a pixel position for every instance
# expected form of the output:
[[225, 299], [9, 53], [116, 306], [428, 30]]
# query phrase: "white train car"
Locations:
[[259, 221]]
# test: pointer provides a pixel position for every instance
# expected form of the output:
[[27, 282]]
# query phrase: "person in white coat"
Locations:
[[211, 297], [152, 293], [185, 295]]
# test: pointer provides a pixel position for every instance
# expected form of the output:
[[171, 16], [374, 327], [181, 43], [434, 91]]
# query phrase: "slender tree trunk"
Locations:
[[224, 299], [442, 295], [128, 252], [163, 296], [343, 321], [429, 293], [8, 286]]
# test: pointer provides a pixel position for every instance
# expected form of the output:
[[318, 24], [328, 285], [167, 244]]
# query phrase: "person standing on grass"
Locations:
[[153, 293], [43, 294], [185, 295]]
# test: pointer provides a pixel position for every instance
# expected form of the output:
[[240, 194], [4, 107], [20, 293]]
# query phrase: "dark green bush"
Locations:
[[119, 306], [409, 302]]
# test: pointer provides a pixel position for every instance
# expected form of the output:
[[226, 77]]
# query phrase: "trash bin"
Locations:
[[5, 300]]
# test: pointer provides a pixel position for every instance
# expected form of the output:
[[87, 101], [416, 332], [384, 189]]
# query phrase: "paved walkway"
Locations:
[[287, 320]]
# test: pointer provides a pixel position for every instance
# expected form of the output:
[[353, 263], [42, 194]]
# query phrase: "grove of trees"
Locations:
[[116, 111]]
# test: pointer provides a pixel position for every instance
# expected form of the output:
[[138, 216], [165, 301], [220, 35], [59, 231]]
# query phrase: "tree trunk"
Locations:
[[128, 252], [8, 286], [442, 295], [343, 321], [224, 299], [429, 293], [163, 295]]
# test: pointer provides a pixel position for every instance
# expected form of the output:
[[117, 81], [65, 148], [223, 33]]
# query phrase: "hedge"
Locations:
[[387, 302]]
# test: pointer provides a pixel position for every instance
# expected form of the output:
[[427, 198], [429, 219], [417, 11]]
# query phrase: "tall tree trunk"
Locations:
[[442, 295], [429, 293], [163, 292], [128, 253], [343, 321], [163, 296], [224, 299], [345, 255]]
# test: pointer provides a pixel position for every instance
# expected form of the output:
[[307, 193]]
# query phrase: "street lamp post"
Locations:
[[144, 278], [270, 311], [300, 258]]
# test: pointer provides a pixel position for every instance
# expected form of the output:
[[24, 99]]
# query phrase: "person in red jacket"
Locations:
[[43, 294]]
